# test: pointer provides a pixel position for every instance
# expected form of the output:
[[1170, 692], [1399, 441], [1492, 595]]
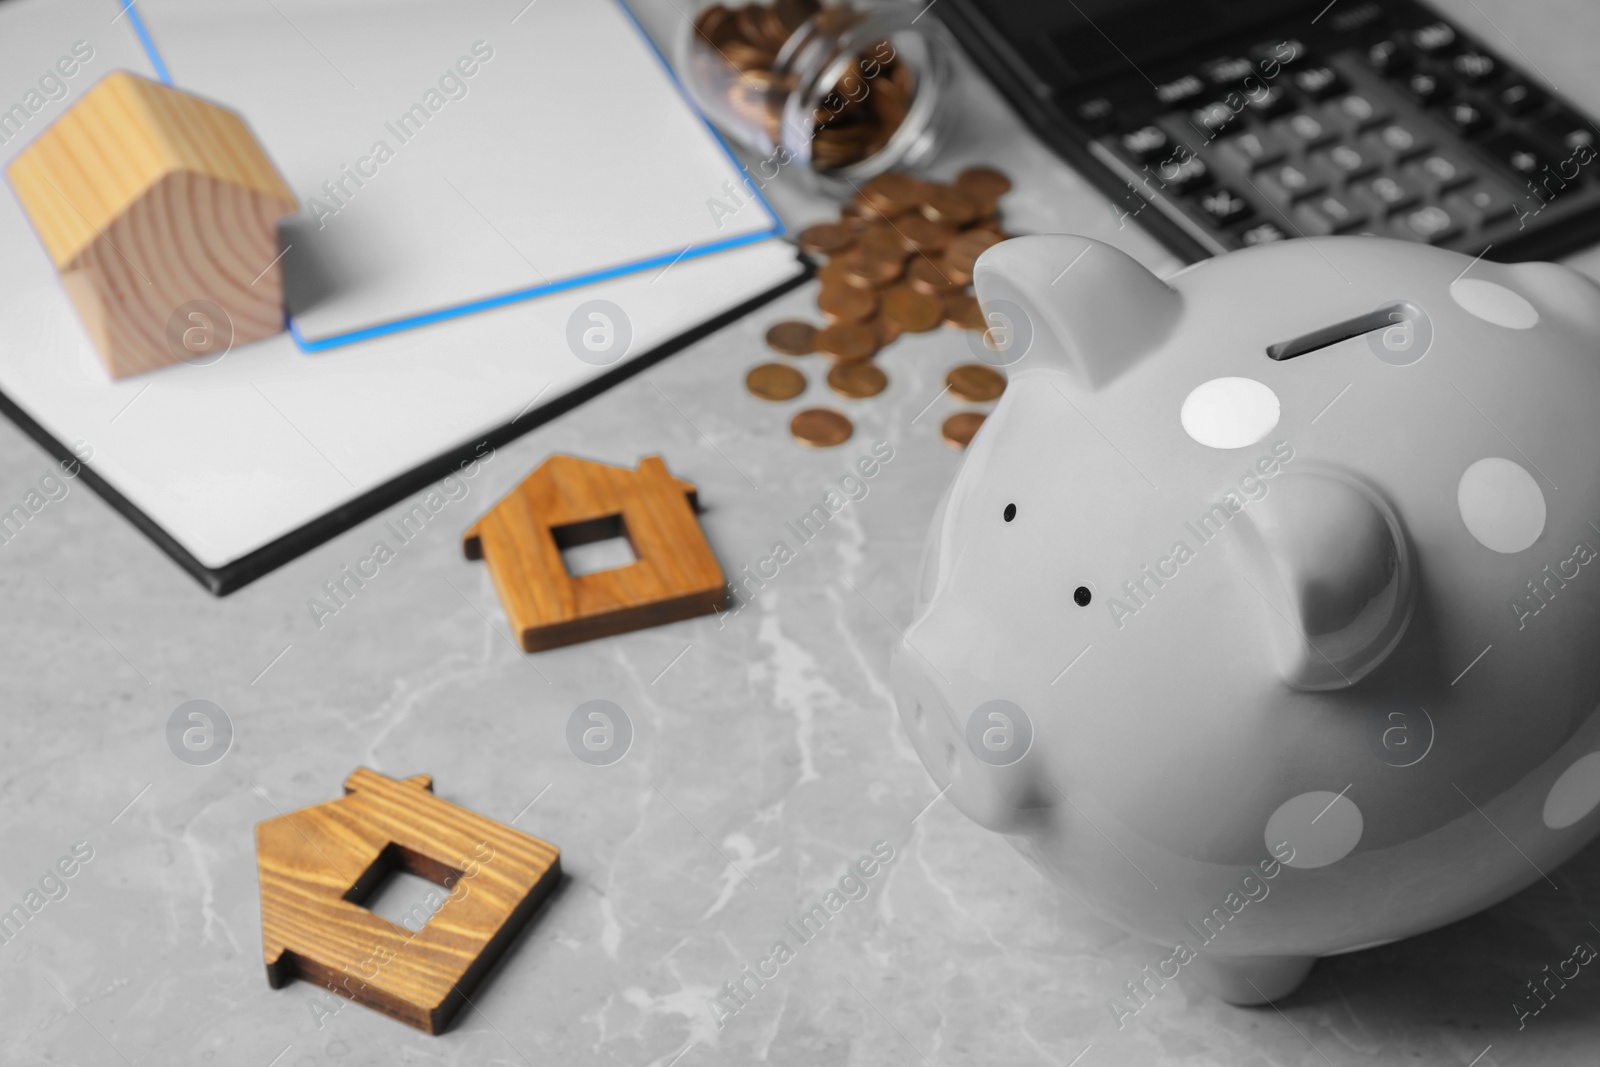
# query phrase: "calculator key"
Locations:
[[1343, 163], [1228, 70], [1517, 152], [1566, 130], [1304, 130], [1358, 17], [1479, 206], [1180, 89], [1388, 57], [1180, 178], [1387, 192], [1292, 51], [1287, 182], [1437, 172], [1247, 151], [1329, 213], [1214, 117], [1430, 225], [1318, 83], [1436, 37], [1267, 102], [1518, 97], [1473, 67], [1223, 207], [1425, 88], [1095, 114], [1395, 142], [1146, 143], [1466, 117], [1356, 112], [1261, 233], [1285, 52]]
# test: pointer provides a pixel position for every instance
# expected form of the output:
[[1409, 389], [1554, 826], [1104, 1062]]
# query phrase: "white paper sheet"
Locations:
[[449, 152]]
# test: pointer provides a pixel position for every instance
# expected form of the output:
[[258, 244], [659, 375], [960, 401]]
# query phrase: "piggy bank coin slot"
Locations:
[[1381, 319]]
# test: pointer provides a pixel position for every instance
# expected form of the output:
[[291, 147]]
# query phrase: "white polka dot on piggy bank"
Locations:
[[1501, 504], [1299, 623]]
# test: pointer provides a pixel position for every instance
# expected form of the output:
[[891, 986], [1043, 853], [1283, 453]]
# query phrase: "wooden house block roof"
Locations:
[[120, 139]]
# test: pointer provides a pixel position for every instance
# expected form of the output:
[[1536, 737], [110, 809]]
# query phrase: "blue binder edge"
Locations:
[[323, 344]]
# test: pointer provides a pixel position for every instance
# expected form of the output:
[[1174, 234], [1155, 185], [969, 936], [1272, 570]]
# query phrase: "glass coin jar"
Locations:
[[839, 90]]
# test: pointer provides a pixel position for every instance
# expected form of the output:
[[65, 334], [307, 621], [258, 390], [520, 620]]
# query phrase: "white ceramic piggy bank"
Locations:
[[1264, 611]]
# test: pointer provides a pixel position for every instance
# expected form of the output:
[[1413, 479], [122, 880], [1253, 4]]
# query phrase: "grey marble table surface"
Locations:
[[767, 757]]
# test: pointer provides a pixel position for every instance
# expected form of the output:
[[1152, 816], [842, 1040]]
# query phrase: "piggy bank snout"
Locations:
[[1330, 556], [978, 749], [928, 718]]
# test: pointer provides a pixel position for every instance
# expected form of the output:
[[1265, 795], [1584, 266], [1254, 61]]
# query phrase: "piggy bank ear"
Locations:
[[1092, 310], [1328, 554]]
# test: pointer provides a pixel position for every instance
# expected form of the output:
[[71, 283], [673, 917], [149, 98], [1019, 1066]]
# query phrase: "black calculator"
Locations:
[[1219, 124]]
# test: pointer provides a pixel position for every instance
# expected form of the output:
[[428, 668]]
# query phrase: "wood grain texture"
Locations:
[[147, 199], [674, 575], [315, 863]]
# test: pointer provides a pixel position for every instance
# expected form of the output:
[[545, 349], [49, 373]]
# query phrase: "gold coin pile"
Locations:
[[738, 58], [898, 260]]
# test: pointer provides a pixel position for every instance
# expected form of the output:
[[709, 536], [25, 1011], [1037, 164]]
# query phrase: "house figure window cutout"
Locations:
[[316, 865], [568, 502]]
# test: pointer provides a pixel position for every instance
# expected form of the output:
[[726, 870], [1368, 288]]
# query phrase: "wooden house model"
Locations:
[[160, 212], [319, 864], [568, 502]]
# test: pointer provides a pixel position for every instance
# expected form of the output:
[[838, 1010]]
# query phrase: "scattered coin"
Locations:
[[837, 272], [975, 383], [912, 310], [826, 239], [943, 203], [821, 428], [961, 311], [924, 235], [892, 193], [951, 268], [873, 267], [847, 303], [888, 331], [857, 380], [847, 342], [775, 381], [926, 276], [983, 183], [959, 428], [965, 249], [792, 338], [885, 240]]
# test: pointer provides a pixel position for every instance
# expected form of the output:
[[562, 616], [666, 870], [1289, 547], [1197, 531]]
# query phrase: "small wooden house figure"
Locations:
[[568, 502], [160, 212], [318, 865]]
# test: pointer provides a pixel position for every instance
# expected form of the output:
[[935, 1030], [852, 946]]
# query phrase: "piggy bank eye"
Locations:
[[1010, 512], [1081, 596]]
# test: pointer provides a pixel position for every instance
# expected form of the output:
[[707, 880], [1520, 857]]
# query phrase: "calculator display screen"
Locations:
[[1089, 39]]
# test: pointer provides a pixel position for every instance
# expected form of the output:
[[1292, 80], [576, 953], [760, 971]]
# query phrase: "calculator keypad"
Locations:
[[1411, 132]]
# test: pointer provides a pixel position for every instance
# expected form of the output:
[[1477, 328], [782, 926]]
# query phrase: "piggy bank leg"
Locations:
[[1248, 980]]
